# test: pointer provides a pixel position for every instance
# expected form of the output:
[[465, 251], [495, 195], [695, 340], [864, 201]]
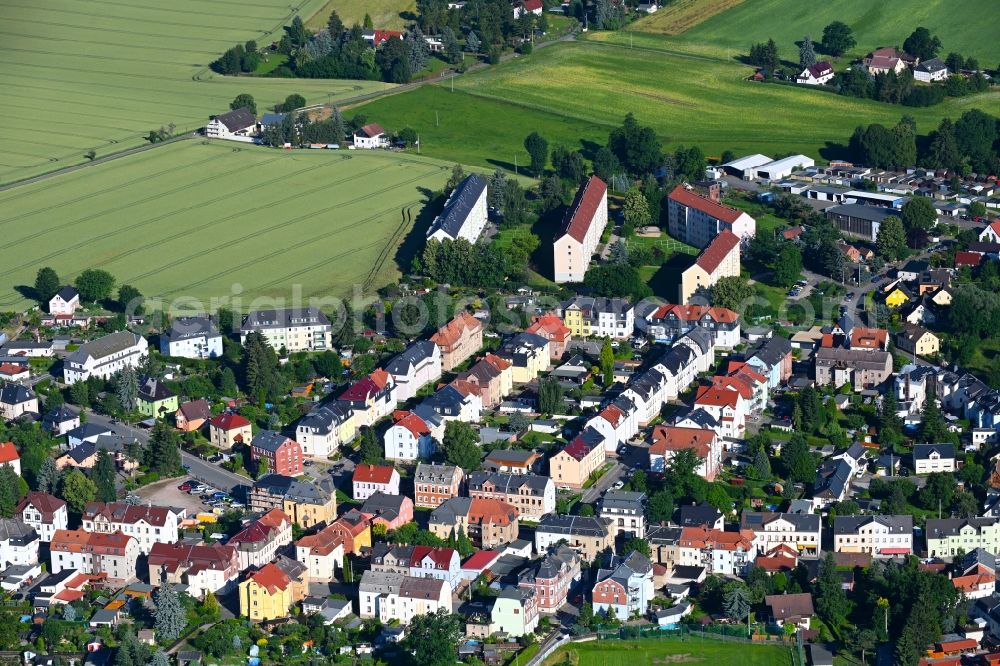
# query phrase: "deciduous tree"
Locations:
[[94, 284], [460, 445], [244, 101], [838, 38], [538, 151], [46, 285]]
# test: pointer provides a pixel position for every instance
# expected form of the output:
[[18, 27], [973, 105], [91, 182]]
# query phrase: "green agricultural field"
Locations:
[[574, 93], [656, 652], [385, 14], [195, 218], [82, 75], [966, 26]]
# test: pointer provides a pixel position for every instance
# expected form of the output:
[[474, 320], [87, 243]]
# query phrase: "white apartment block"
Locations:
[[295, 330], [581, 231], [105, 356], [878, 536], [464, 215]]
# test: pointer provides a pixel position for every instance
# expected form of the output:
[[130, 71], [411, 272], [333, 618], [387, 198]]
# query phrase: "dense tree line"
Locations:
[[460, 263]]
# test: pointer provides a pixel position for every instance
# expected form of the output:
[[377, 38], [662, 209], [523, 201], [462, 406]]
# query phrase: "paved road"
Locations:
[[591, 494], [202, 470]]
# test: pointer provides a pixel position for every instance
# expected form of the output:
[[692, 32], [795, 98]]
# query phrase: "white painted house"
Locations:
[[464, 214], [930, 70], [816, 75], [409, 439], [65, 302], [240, 123], [416, 367], [191, 337], [105, 356], [370, 137]]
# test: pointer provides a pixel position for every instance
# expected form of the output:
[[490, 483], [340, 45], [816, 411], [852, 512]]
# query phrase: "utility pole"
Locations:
[[436, 124], [515, 164]]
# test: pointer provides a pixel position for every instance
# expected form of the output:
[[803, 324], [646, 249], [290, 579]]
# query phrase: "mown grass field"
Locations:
[[968, 27], [657, 652], [386, 14], [574, 93], [82, 75], [195, 218]]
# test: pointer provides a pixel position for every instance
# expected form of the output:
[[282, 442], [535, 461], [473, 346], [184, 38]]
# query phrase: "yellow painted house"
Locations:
[[266, 594], [896, 296]]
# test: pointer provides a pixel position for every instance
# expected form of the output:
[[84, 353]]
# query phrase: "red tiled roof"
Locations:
[[323, 542], [694, 313], [612, 414], [360, 390], [8, 453], [381, 474], [700, 537], [441, 557], [497, 362], [274, 518], [581, 214], [532, 5], [44, 503], [552, 325], [717, 397], [452, 332], [868, 338], [692, 199], [384, 36], [491, 512], [372, 130], [717, 250], [120, 512], [480, 560], [735, 384], [416, 425], [673, 438], [12, 369], [271, 578], [229, 421], [964, 258]]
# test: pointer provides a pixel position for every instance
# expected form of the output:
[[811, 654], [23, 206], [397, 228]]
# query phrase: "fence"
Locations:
[[712, 632]]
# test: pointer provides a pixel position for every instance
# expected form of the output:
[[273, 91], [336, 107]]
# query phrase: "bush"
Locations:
[[525, 48], [146, 479]]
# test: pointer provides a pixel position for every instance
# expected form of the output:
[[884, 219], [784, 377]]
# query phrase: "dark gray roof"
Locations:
[[15, 394], [184, 328], [448, 512], [59, 414], [773, 350], [937, 528], [238, 119], [701, 337], [932, 65], [324, 418], [384, 505], [833, 480], [410, 357], [296, 490], [591, 306], [459, 206], [152, 390], [268, 440], [510, 483], [923, 451], [433, 473], [862, 212], [285, 318], [697, 514], [623, 500], [577, 525], [67, 293], [901, 524], [803, 522]]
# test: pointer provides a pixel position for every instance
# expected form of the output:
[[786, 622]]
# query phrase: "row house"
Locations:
[[390, 597], [669, 440], [668, 322], [202, 568], [720, 552], [370, 479], [489, 523], [270, 592], [773, 359], [589, 316], [322, 553], [147, 524], [551, 577], [552, 328], [532, 495], [615, 425], [417, 366], [258, 543], [947, 537], [113, 554], [44, 513], [105, 356], [626, 589], [578, 460], [648, 393], [878, 536], [664, 544], [434, 484], [800, 531], [751, 383], [590, 535], [281, 454], [626, 510], [306, 503], [410, 438], [494, 378], [354, 530], [392, 511], [528, 355], [418, 561], [229, 429], [370, 398], [728, 406], [325, 428], [691, 355], [459, 339]]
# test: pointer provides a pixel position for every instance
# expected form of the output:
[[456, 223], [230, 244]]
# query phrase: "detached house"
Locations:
[[155, 399], [325, 428], [800, 531], [192, 415], [371, 479], [282, 455], [267, 594], [416, 367], [292, 329], [794, 608], [528, 355], [191, 337], [458, 339], [105, 356], [928, 458], [232, 124], [45, 513], [409, 439], [228, 429], [590, 536], [578, 460], [65, 302], [370, 137], [551, 577], [625, 590], [16, 400], [322, 553], [514, 612], [930, 70], [878, 536], [581, 230], [816, 75], [669, 440], [626, 510], [721, 553]]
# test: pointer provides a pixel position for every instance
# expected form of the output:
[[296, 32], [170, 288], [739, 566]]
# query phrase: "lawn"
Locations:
[[654, 652], [962, 25], [212, 219], [574, 93], [386, 14], [82, 75], [681, 15]]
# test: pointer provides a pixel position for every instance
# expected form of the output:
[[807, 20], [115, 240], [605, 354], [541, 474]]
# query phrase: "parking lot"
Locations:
[[168, 493]]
